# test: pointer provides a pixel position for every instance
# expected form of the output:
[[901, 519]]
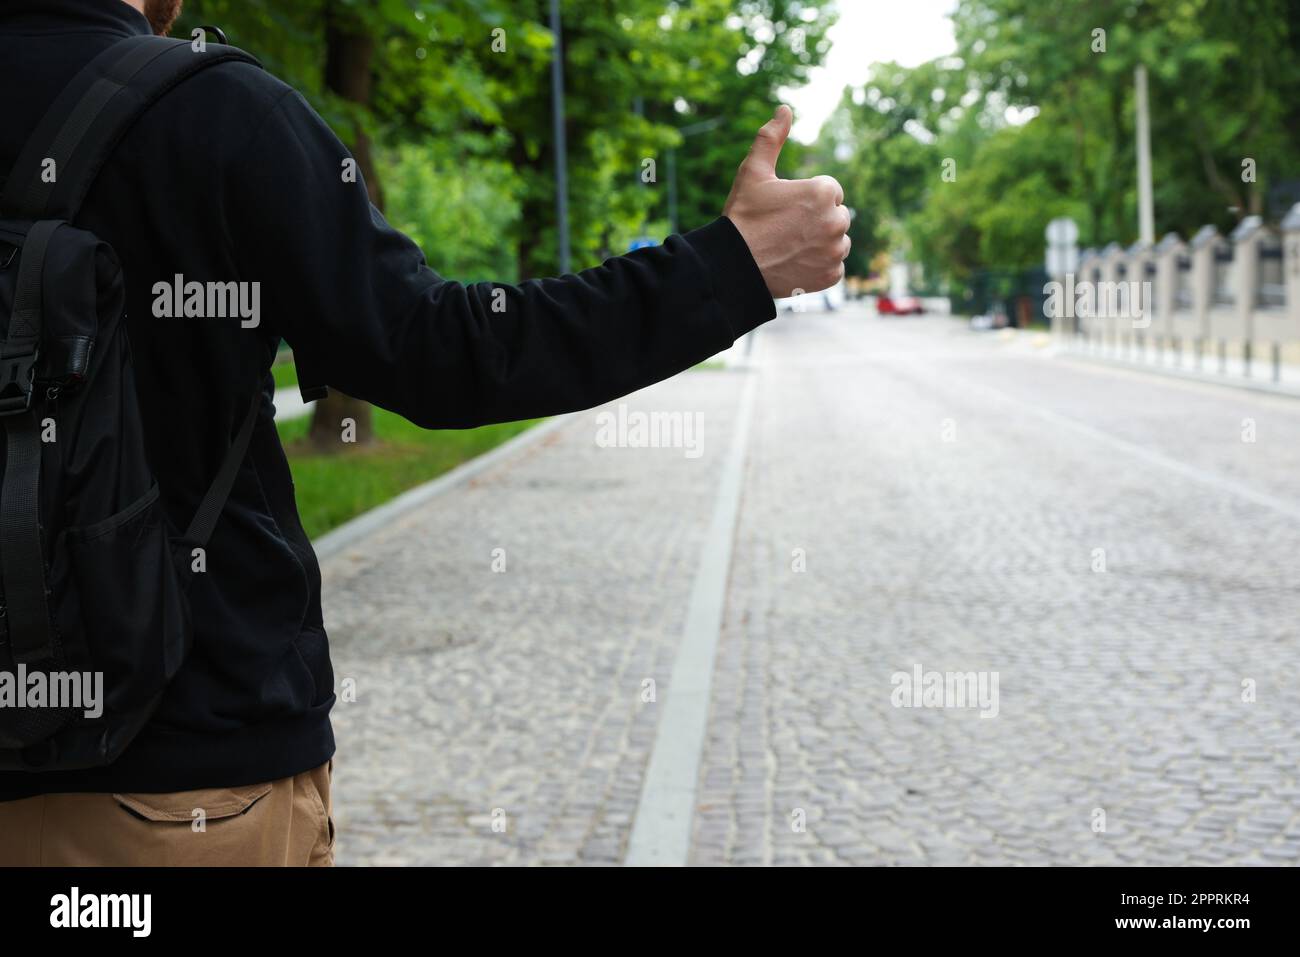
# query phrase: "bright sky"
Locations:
[[870, 31]]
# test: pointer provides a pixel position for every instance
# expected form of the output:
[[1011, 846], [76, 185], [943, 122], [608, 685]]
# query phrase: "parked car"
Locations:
[[900, 306]]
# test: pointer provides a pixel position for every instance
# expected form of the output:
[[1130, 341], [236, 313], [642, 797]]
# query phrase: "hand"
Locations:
[[796, 229]]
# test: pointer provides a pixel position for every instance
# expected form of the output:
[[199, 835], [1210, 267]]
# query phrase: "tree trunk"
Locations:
[[349, 51]]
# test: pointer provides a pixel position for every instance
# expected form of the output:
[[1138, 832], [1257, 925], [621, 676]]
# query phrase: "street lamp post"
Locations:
[[561, 151]]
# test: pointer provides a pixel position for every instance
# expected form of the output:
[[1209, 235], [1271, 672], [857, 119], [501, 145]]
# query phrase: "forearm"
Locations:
[[492, 353]]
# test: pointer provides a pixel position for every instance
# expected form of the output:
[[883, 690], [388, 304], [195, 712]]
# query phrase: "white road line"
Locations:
[[661, 833]]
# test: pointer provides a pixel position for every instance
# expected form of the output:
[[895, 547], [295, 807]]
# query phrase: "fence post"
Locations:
[[1137, 323], [1246, 239], [1167, 254], [1288, 270], [1113, 273], [1086, 325], [1291, 261], [1208, 319]]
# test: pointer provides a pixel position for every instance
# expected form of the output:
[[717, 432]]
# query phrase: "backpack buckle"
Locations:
[[17, 375]]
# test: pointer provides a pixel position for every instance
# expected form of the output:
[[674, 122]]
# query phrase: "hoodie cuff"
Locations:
[[738, 286]]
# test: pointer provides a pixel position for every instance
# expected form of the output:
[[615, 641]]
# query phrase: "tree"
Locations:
[[745, 56], [1035, 111]]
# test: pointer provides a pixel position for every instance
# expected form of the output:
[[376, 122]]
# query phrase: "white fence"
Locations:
[[1206, 303]]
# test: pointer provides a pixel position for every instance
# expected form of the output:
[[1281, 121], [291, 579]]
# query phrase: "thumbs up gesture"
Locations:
[[796, 230]]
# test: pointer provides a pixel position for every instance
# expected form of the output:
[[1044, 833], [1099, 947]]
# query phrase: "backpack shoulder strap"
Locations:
[[51, 178], [61, 159], [205, 517]]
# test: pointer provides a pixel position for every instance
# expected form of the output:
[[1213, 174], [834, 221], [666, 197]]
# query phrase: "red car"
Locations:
[[902, 306]]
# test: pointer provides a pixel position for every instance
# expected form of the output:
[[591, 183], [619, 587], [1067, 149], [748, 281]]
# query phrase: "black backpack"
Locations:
[[93, 579]]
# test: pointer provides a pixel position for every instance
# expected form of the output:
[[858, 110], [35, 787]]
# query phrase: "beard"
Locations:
[[161, 14]]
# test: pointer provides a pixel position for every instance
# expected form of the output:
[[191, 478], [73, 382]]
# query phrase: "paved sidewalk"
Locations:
[[520, 690]]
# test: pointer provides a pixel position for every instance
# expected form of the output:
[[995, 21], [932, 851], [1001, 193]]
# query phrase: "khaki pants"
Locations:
[[280, 823]]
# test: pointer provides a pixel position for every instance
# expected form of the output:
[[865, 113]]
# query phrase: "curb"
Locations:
[[1187, 375]]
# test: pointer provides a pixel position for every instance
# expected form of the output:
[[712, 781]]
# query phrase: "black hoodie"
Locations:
[[233, 177]]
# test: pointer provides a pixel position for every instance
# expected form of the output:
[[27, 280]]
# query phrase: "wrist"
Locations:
[[738, 283]]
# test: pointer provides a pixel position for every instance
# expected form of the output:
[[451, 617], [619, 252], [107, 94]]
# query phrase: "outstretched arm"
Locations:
[[358, 304]]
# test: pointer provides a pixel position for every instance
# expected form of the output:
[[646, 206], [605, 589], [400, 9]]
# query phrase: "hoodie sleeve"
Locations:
[[356, 301]]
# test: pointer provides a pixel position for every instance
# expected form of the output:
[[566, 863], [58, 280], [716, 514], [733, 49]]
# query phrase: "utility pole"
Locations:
[[561, 151], [1146, 204]]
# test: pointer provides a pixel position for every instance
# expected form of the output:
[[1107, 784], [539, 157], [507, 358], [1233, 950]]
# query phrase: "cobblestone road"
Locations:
[[1118, 548], [519, 690]]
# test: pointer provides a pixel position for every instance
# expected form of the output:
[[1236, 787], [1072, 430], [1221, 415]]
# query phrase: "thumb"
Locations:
[[767, 144]]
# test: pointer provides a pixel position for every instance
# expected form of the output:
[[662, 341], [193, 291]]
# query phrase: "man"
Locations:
[[232, 177]]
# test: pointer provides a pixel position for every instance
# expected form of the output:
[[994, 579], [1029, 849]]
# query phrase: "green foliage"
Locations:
[[1224, 84], [455, 212], [878, 144], [744, 53], [460, 110]]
